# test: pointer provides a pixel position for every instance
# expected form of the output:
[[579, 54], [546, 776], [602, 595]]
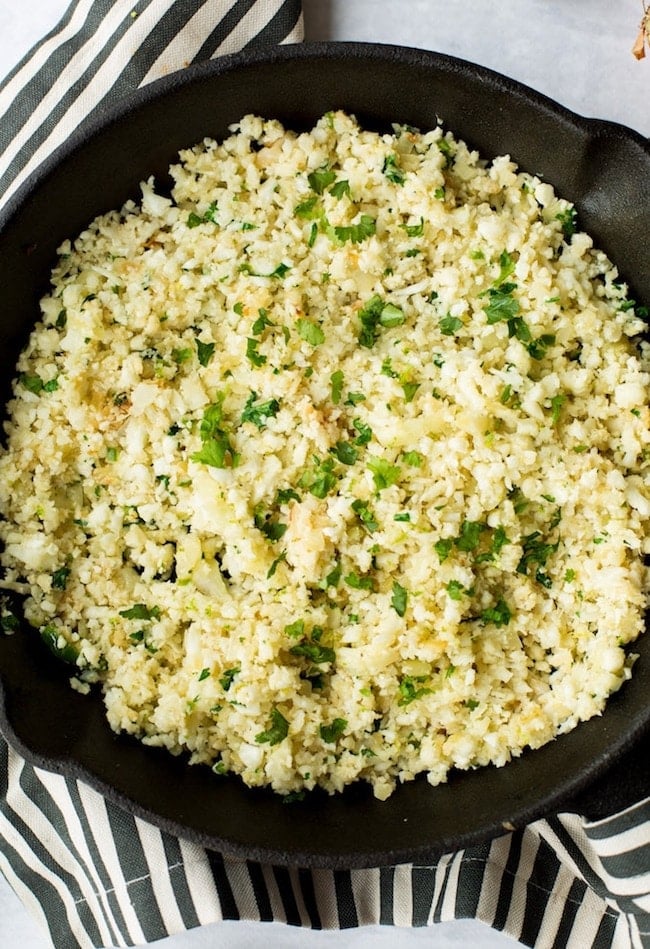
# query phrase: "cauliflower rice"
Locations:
[[334, 465]]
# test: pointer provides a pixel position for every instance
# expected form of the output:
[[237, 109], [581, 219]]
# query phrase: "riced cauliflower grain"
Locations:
[[334, 465]]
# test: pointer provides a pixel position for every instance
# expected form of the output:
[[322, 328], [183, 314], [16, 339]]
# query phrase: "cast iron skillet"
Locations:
[[603, 167]]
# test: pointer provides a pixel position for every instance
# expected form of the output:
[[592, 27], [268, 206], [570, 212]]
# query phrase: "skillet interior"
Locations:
[[603, 167]]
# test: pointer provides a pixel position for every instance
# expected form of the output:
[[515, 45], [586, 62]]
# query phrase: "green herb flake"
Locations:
[[557, 402], [502, 305], [261, 322], [204, 674], [364, 432], [340, 188], [383, 473], [345, 452], [449, 325], [414, 230], [374, 315], [277, 730], [321, 179], [60, 578], [205, 352], [310, 332], [226, 680], [252, 354], [9, 623], [336, 383], [314, 650], [356, 233], [392, 170], [470, 532], [409, 690], [499, 614], [56, 642], [443, 548], [365, 515], [506, 268], [455, 589], [141, 611], [330, 733], [409, 389], [321, 479], [568, 221], [399, 599], [412, 458], [358, 582], [259, 412], [403, 516]]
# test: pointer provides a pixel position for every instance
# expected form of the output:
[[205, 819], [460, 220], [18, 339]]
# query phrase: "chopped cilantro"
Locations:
[[259, 412], [365, 432], [470, 532], [261, 322], [321, 479], [355, 233], [409, 691], [399, 599], [216, 450], [330, 733], [321, 179], [60, 578], [358, 582], [568, 220], [365, 515], [557, 402], [205, 352], [376, 313], [392, 170], [383, 473], [455, 589], [409, 389], [336, 381], [340, 188], [310, 332], [56, 642], [413, 458], [507, 266], [252, 354], [204, 674], [499, 614], [226, 679], [141, 611], [414, 230], [502, 305], [277, 730], [443, 548], [449, 325], [345, 452]]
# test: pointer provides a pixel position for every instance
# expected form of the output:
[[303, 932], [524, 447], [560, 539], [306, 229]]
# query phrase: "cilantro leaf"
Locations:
[[311, 332], [330, 733], [399, 599], [258, 412], [277, 730], [321, 179], [205, 352], [356, 233]]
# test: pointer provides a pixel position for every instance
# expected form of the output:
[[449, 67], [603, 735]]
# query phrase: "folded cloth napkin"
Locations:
[[94, 875]]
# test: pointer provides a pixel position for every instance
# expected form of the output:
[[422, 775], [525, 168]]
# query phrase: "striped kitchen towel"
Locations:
[[96, 876]]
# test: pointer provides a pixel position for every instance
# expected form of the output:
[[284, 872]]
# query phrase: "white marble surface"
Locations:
[[576, 51]]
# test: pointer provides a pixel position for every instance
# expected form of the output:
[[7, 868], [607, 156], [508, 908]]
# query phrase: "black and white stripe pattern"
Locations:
[[96, 876], [103, 49]]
